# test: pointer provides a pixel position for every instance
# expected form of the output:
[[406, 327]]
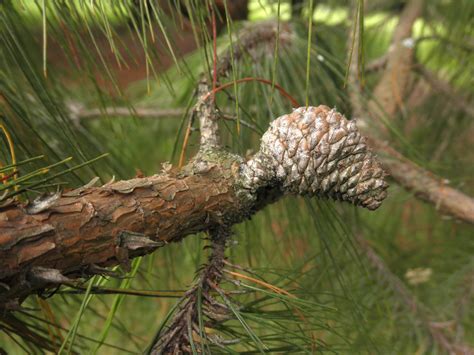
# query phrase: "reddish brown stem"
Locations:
[[390, 90], [284, 93]]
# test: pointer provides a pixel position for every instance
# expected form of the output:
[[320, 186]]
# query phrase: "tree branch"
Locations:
[[255, 41], [77, 113], [313, 151], [104, 226], [206, 110], [425, 185]]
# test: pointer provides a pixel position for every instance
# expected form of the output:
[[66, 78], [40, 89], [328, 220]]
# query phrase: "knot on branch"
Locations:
[[317, 151]]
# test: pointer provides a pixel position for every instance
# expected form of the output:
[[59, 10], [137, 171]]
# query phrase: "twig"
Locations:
[[282, 91], [207, 113], [377, 64], [425, 185], [389, 92], [77, 112], [253, 41], [145, 113]]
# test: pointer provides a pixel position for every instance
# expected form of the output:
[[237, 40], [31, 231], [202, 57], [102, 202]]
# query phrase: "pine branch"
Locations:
[[425, 185], [52, 241], [44, 245], [78, 114]]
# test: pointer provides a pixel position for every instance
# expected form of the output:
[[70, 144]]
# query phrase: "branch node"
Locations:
[[135, 241], [42, 203], [41, 275]]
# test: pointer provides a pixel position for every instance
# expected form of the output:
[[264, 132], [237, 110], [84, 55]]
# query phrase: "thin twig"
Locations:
[[80, 113], [389, 91], [145, 113], [186, 328], [252, 39]]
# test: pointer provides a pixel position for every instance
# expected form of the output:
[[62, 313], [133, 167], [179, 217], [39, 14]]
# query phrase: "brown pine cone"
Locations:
[[317, 151]]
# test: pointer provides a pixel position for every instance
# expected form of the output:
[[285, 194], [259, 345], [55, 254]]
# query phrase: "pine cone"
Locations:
[[317, 151]]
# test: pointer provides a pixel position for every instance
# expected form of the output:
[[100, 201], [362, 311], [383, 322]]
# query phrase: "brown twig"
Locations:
[[282, 91], [253, 41], [389, 92], [425, 185]]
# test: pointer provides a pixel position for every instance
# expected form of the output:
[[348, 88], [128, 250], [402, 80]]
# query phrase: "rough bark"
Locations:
[[103, 226]]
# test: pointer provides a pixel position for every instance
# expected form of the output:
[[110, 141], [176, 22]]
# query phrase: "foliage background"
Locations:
[[338, 302]]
